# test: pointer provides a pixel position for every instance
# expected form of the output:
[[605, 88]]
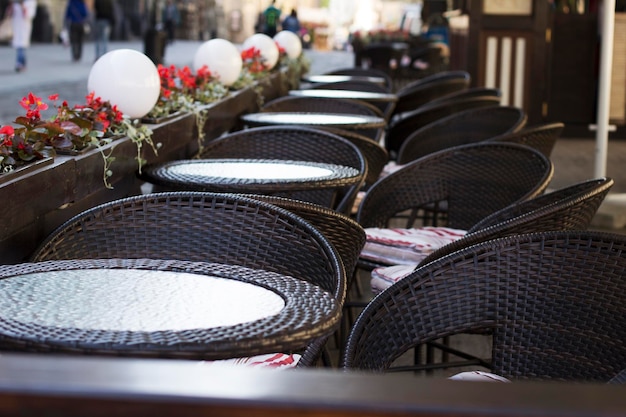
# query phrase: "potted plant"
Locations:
[[71, 129]]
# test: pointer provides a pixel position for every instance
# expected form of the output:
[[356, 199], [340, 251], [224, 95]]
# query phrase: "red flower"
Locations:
[[7, 130]]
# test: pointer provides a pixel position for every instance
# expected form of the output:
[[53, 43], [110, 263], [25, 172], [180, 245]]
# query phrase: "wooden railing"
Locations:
[[36, 203], [48, 385]]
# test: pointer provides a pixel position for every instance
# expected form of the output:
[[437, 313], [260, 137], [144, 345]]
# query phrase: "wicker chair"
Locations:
[[352, 85], [327, 105], [375, 155], [569, 208], [554, 302], [422, 91], [473, 181], [461, 128], [542, 136], [470, 92], [295, 143], [344, 233], [401, 127], [366, 72], [224, 228]]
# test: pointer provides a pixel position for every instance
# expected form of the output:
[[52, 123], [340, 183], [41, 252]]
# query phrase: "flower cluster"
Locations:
[[92, 124], [182, 89], [15, 151], [253, 68]]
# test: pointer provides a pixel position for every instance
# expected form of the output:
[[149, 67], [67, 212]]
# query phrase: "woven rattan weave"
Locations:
[[555, 302], [461, 128]]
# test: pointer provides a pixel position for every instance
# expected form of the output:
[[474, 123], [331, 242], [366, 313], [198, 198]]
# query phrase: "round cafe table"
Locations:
[[256, 176], [368, 96], [334, 120], [328, 78], [156, 308]]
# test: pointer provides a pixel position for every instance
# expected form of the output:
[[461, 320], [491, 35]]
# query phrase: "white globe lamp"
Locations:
[[290, 42], [267, 47], [127, 78], [222, 58]]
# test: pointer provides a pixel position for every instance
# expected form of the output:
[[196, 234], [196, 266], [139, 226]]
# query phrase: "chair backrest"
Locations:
[[555, 302], [569, 208], [470, 92], [327, 105], [430, 88], [352, 85], [407, 123], [541, 136], [366, 72], [375, 155], [225, 228], [346, 235], [474, 180], [461, 128], [300, 144]]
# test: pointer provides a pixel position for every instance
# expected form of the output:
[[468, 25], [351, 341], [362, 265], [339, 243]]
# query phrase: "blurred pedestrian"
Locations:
[[104, 13], [271, 17], [76, 17], [291, 22], [22, 14], [171, 19]]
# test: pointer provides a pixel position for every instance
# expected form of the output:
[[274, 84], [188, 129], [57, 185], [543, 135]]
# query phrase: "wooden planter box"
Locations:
[[40, 200]]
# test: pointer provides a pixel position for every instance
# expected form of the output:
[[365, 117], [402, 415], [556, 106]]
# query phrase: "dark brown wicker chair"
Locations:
[[569, 208], [470, 92], [461, 128], [343, 232], [327, 105], [422, 91], [300, 144], [554, 302], [352, 85], [542, 136], [473, 181], [224, 228], [375, 155], [366, 72], [408, 123]]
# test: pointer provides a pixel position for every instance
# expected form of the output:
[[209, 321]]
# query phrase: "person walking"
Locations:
[[291, 22], [271, 17], [76, 16], [104, 13], [22, 15], [171, 19]]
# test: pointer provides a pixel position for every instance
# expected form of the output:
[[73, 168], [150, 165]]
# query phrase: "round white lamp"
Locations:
[[128, 79], [290, 42], [222, 58], [267, 47]]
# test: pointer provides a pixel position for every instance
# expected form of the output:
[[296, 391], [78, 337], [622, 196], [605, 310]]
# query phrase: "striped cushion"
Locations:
[[384, 277], [273, 361], [397, 246]]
